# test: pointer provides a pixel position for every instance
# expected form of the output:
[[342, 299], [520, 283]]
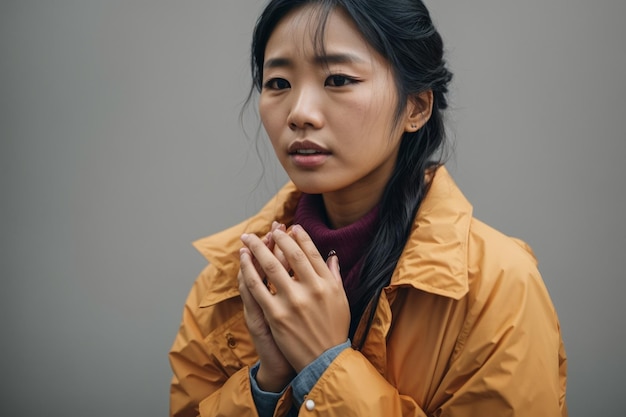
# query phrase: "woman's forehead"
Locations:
[[309, 33]]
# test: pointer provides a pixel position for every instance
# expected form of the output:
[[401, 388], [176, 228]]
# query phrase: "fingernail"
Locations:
[[331, 253], [245, 237]]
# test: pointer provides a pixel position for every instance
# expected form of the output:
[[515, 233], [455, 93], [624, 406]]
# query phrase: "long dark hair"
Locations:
[[403, 33]]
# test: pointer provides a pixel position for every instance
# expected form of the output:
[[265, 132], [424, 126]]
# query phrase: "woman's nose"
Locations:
[[306, 111]]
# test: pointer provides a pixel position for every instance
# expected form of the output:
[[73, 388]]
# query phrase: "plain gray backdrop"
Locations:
[[120, 144]]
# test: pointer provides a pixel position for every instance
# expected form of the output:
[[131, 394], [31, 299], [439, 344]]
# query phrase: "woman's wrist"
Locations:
[[272, 383]]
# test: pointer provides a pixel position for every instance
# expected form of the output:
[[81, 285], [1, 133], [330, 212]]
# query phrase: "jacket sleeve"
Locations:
[[210, 357], [508, 360], [352, 387]]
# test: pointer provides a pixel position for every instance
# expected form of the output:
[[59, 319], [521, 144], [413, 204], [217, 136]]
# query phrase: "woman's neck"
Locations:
[[343, 208]]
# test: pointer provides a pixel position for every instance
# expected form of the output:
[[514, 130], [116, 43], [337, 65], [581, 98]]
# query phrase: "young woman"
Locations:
[[364, 287]]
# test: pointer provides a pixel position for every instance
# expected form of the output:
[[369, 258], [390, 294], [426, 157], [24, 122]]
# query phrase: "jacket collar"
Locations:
[[222, 249], [434, 259], [435, 256]]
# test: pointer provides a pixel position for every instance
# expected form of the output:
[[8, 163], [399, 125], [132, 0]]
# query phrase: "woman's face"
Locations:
[[331, 118]]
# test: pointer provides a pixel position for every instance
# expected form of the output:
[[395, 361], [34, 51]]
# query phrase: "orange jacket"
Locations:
[[465, 328]]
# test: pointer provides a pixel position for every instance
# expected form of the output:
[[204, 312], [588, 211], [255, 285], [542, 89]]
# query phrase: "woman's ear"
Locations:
[[419, 109]]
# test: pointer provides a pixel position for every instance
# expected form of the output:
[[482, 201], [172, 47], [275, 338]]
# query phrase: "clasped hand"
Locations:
[[301, 313]]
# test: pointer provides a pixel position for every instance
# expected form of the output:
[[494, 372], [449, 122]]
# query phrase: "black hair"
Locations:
[[403, 33]]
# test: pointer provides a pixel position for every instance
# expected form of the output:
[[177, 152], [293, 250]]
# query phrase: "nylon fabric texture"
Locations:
[[465, 328]]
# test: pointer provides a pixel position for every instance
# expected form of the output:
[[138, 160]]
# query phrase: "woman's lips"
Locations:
[[306, 146], [307, 154], [309, 160]]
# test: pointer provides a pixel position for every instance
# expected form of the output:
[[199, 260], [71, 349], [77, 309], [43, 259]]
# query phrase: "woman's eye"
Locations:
[[339, 81], [277, 84]]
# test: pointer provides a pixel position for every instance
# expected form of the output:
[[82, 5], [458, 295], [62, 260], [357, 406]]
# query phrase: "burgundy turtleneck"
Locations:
[[350, 242]]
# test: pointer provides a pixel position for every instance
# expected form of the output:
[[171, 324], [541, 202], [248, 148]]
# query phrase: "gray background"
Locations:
[[120, 144]]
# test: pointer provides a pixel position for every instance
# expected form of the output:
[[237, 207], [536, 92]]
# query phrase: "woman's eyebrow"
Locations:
[[319, 59], [339, 59], [277, 63]]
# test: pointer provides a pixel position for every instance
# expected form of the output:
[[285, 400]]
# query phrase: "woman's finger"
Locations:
[[302, 254], [272, 246], [332, 261], [251, 277], [253, 312]]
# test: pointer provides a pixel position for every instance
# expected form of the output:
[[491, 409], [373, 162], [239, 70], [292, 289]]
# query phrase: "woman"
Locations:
[[418, 309]]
